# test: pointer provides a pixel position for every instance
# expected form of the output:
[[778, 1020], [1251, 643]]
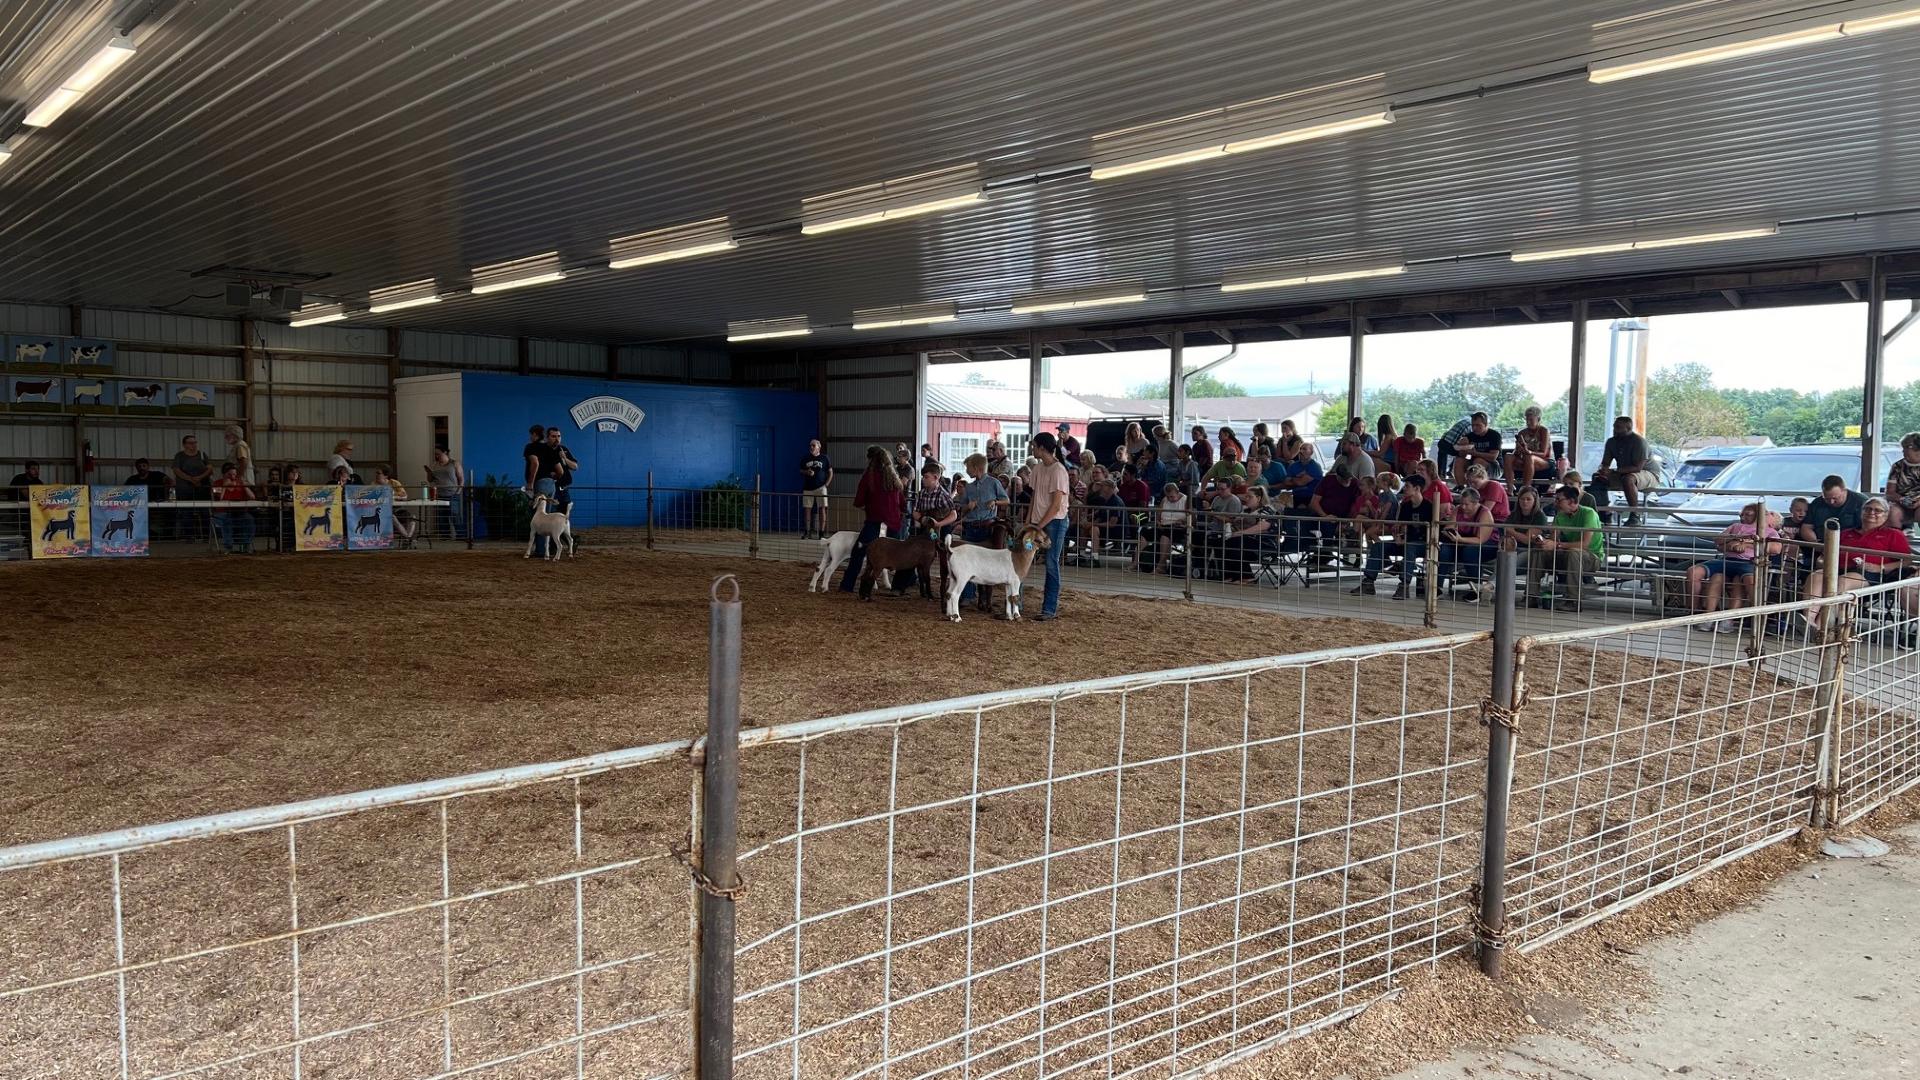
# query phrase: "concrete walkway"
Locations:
[[1820, 980]]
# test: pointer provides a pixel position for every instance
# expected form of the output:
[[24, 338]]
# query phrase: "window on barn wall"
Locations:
[[956, 447], [1014, 436]]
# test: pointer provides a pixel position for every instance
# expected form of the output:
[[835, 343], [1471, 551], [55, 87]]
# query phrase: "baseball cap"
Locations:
[[1063, 426]]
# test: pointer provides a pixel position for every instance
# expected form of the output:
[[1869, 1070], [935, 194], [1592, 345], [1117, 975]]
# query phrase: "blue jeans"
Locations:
[[974, 532], [1463, 561], [856, 561], [1377, 557], [456, 520], [235, 528], [1057, 542]]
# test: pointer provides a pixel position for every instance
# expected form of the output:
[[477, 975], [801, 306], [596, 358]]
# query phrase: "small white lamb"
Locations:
[[552, 526], [986, 567], [834, 551]]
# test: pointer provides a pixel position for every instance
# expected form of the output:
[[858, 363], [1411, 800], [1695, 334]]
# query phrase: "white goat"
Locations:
[[986, 567], [552, 526], [834, 551]]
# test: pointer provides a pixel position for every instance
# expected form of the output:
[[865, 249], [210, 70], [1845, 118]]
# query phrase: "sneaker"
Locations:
[[1046, 616], [1633, 521], [1400, 593], [1471, 596], [1725, 626], [1566, 606], [1365, 588]]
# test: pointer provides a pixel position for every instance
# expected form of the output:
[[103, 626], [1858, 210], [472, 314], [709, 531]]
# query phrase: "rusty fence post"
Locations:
[[713, 864], [1431, 573], [1498, 712], [1836, 638], [1756, 645]]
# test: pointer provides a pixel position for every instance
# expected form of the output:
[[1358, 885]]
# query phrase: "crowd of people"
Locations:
[[1222, 508]]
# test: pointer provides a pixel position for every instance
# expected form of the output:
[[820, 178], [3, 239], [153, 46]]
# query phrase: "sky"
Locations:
[[1803, 348]]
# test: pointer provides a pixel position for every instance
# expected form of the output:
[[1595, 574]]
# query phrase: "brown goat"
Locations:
[[916, 552]]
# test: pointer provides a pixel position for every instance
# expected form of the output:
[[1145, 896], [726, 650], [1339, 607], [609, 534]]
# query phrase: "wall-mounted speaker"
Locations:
[[239, 294]]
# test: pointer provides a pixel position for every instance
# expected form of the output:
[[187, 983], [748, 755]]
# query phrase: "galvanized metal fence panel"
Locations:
[[1879, 714]]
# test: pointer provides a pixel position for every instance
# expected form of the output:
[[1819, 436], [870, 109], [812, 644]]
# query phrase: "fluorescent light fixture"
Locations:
[[1755, 232], [1098, 296], [1685, 56], [889, 200], [517, 274], [906, 315], [1248, 140], [1266, 278], [399, 297], [678, 242], [761, 329], [1319, 129], [932, 206], [314, 314], [112, 55]]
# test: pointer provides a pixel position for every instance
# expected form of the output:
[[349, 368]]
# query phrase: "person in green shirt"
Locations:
[[1226, 470], [1571, 550]]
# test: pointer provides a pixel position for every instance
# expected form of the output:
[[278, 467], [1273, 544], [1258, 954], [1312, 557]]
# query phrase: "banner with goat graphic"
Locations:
[[119, 522], [369, 517], [317, 521], [59, 517]]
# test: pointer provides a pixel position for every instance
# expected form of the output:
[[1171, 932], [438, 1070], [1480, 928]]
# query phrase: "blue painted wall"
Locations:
[[692, 437]]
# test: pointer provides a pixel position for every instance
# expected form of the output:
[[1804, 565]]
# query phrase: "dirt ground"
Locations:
[[1286, 845]]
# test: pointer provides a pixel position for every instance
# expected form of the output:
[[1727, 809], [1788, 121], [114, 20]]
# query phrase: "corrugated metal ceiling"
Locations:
[[381, 141]]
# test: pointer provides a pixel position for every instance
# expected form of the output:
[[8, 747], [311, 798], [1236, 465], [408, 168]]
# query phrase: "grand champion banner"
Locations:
[[59, 517], [317, 521], [119, 521], [369, 517]]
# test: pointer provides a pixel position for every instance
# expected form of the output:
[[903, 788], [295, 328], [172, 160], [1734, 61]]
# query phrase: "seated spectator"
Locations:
[[1493, 494], [1357, 430], [1228, 469], [1872, 554], [998, 463], [1252, 536], [1303, 475], [1262, 440], [1202, 449], [1288, 445], [1798, 555], [1532, 451], [1449, 444], [1836, 504], [1436, 491], [1407, 449], [1151, 472], [1186, 470], [235, 526], [1224, 509], [1135, 439], [1465, 538], [1354, 455], [1626, 466], [1570, 550], [1229, 440], [1573, 480], [1903, 482], [1019, 496], [1133, 490], [1101, 521], [1327, 513], [1388, 485], [1528, 521], [1370, 510], [1383, 437], [404, 523], [1733, 572], [1480, 445], [341, 476], [1407, 540], [1164, 447], [1169, 528], [1070, 449], [1264, 470]]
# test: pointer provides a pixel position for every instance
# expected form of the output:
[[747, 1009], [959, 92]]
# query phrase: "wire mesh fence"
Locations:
[[1140, 876], [527, 918]]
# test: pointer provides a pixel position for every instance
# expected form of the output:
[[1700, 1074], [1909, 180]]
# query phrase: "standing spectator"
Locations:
[[1202, 449], [533, 455], [1479, 446], [404, 523], [816, 472], [983, 502], [1186, 471], [447, 481], [235, 526], [1492, 493], [1049, 511], [1229, 439], [239, 453], [927, 458], [1835, 504], [1532, 451], [998, 463], [1407, 449], [1625, 464], [1135, 439], [1070, 448], [1903, 482], [564, 468], [1411, 520], [343, 455], [192, 481], [881, 495], [1164, 446], [1571, 550], [1383, 436], [1464, 539]]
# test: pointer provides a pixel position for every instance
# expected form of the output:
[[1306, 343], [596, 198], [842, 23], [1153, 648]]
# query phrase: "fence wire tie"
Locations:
[[1488, 937], [683, 854], [1494, 714]]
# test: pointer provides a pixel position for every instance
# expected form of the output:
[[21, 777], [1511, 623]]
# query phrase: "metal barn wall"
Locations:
[[864, 401], [691, 363]]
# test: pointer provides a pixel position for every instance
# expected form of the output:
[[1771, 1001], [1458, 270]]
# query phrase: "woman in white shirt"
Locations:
[[1170, 523], [342, 457]]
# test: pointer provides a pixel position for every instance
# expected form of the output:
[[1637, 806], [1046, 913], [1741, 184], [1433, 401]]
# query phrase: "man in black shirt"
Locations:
[[1478, 445], [1835, 503], [154, 482], [558, 464], [28, 476], [531, 453], [1411, 519], [816, 472], [1631, 469]]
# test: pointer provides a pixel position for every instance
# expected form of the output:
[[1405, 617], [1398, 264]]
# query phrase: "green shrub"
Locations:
[[722, 505]]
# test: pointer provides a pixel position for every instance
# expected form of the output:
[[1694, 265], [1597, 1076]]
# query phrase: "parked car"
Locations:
[[1784, 472], [1698, 471]]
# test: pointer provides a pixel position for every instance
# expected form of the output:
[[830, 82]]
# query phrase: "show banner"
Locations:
[[317, 521], [59, 519], [369, 517], [119, 522]]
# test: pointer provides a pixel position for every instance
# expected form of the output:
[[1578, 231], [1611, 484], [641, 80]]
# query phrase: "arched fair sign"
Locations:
[[608, 412]]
